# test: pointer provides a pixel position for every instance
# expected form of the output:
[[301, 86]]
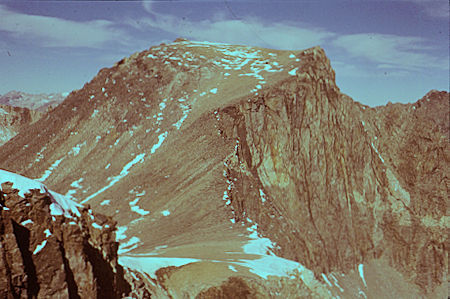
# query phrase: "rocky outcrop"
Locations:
[[45, 256], [335, 183]]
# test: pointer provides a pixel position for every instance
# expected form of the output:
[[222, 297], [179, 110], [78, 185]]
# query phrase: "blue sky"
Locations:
[[381, 50]]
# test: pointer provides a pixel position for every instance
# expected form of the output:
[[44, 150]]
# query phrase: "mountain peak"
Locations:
[[192, 143]]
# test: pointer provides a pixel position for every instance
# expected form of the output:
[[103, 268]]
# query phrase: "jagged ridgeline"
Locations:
[[242, 171]]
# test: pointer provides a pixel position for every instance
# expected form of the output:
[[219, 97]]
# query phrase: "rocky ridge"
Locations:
[[190, 144], [328, 158], [46, 255]]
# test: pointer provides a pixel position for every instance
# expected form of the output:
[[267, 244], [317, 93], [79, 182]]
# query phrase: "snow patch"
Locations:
[[293, 71], [361, 273], [139, 210], [48, 172], [40, 154], [131, 244], [165, 213], [262, 195], [376, 150], [256, 244], [135, 208], [161, 139], [40, 246], [97, 226], [120, 233], [150, 265], [28, 221], [76, 149], [47, 233], [115, 179], [336, 283], [76, 185], [94, 113], [105, 202], [185, 109], [268, 265], [326, 280]]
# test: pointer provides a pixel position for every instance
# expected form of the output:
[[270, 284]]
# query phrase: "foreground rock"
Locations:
[[55, 256]]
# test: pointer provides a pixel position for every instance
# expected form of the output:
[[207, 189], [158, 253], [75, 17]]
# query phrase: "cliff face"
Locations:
[[212, 157], [14, 119], [347, 182], [46, 256]]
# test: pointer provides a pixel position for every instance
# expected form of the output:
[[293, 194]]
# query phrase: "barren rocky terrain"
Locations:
[[243, 172]]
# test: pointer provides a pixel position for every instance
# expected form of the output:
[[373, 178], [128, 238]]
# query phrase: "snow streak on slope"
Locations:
[[126, 169], [115, 179], [76, 185], [134, 206], [48, 172], [61, 205]]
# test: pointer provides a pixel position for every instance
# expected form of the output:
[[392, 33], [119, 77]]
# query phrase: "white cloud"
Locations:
[[249, 31], [390, 51], [56, 32]]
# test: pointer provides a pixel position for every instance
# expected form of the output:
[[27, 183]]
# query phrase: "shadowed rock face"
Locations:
[[44, 256], [333, 183]]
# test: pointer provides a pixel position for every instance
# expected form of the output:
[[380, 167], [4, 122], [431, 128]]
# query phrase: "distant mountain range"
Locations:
[[18, 110], [242, 172], [14, 119], [39, 102]]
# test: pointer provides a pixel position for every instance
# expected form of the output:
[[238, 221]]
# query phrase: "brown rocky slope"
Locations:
[[196, 147]]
